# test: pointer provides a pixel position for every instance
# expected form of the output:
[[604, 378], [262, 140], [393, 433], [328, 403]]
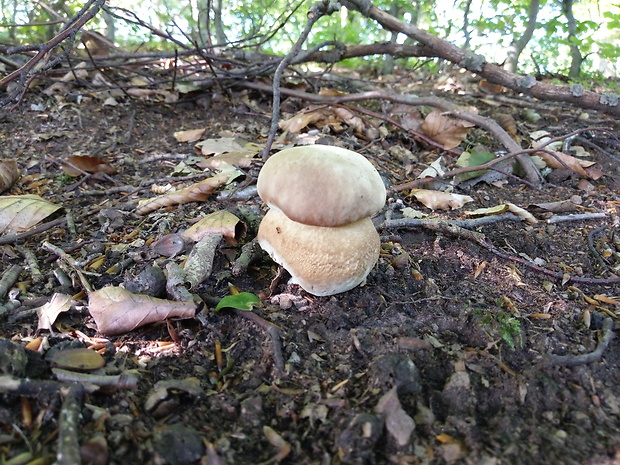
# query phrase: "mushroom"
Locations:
[[318, 227]]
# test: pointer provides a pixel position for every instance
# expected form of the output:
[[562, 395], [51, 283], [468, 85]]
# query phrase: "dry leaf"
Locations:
[[242, 159], [76, 359], [398, 423], [198, 192], [20, 212], [9, 173], [527, 216], [449, 132], [220, 222], [87, 164], [303, 119], [437, 200], [49, 312], [219, 146], [496, 210], [561, 160], [284, 447], [116, 310], [191, 135]]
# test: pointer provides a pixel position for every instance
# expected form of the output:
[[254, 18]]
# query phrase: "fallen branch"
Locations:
[[495, 74], [594, 356]]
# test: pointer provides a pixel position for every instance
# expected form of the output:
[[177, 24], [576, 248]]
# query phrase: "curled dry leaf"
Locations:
[[49, 312], [116, 310], [449, 132], [304, 118], [198, 192], [222, 145], [199, 264], [86, 164], [523, 213], [20, 212], [9, 173], [583, 168], [437, 200]]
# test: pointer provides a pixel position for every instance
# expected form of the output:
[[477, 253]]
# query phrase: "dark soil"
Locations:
[[468, 339]]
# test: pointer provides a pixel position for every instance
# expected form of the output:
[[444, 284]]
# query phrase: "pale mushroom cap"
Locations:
[[323, 261], [321, 185]]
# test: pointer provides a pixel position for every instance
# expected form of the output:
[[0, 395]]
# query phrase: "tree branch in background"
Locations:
[[574, 94], [26, 73]]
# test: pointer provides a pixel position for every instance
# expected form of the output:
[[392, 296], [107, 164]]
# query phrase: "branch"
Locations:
[[574, 94]]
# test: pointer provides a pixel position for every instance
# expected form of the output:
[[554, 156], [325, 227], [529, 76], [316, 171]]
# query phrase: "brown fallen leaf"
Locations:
[[241, 159], [49, 312], [305, 118], [80, 359], [86, 163], [448, 131], [558, 160], [283, 446], [116, 310], [9, 173], [198, 192], [398, 423]]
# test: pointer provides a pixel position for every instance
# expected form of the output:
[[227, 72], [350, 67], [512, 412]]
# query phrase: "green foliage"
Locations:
[[500, 323], [242, 301]]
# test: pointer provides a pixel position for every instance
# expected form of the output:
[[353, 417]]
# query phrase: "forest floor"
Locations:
[[448, 354]]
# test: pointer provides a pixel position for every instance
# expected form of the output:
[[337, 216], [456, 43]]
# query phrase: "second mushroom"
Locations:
[[318, 228]]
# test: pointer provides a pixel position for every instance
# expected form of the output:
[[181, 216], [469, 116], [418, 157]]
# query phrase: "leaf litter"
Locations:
[[337, 397]]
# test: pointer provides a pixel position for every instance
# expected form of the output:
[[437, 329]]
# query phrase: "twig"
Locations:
[[274, 334], [316, 12], [33, 263], [27, 72], [576, 217], [68, 259], [467, 224], [68, 452], [597, 256], [9, 277], [126, 380], [594, 356], [449, 227], [14, 238]]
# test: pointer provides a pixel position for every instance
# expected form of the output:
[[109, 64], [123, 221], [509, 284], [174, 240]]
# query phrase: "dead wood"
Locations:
[[574, 94]]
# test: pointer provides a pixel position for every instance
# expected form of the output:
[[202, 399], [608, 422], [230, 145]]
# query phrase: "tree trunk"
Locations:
[[575, 53], [518, 45]]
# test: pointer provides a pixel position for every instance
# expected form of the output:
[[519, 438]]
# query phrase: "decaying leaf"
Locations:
[[76, 359], [435, 169], [199, 264], [523, 213], [560, 206], [448, 131], [20, 212], [221, 145], [9, 173], [437, 200], [220, 222], [198, 192], [241, 159], [398, 423], [277, 441], [116, 310], [191, 135], [303, 119], [86, 164], [496, 210], [49, 312], [561, 160]]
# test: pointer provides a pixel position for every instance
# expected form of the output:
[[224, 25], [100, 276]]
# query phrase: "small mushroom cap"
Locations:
[[322, 260], [321, 185]]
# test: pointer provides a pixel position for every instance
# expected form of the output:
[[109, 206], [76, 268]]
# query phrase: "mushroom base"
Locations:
[[322, 260]]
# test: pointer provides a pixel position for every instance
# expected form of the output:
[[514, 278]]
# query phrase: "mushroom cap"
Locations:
[[322, 260], [321, 185]]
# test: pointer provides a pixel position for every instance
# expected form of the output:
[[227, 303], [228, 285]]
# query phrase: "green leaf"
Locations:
[[242, 301], [473, 158]]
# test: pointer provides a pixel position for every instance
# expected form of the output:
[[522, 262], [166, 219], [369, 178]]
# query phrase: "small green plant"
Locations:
[[502, 324]]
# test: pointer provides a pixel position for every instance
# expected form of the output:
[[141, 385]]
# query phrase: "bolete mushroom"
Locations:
[[319, 227]]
